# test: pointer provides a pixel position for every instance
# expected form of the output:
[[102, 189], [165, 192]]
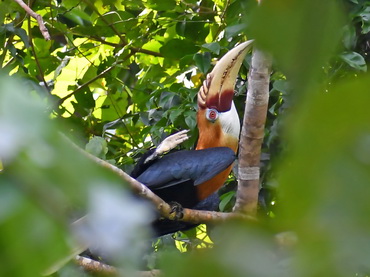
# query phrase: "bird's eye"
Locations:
[[212, 115]]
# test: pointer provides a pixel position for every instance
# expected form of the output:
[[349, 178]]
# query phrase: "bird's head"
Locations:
[[218, 121]]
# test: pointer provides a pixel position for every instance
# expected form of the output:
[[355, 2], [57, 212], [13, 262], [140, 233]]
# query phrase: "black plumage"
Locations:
[[175, 176]]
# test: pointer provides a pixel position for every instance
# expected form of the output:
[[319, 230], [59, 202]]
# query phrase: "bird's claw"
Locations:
[[172, 141], [177, 211]]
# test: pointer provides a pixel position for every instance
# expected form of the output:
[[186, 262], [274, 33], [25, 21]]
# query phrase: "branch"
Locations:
[[96, 267], [187, 215], [165, 210], [145, 51], [252, 133], [43, 29], [201, 216]]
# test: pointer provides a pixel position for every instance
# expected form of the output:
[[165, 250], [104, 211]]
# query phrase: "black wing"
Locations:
[[196, 166]]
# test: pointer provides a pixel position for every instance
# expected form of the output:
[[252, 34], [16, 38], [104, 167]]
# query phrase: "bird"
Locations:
[[191, 177]]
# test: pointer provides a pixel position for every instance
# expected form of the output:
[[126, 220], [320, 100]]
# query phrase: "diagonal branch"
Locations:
[[96, 267], [43, 29], [187, 215]]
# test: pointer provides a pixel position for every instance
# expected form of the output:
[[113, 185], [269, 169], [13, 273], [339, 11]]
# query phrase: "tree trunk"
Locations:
[[252, 133]]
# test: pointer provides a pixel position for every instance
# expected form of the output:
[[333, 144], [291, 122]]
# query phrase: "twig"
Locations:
[[36, 58], [43, 29], [252, 133], [145, 51]]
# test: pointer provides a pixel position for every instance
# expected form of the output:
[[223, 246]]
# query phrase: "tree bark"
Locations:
[[252, 133]]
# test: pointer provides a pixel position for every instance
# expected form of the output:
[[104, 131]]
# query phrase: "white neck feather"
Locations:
[[230, 122]]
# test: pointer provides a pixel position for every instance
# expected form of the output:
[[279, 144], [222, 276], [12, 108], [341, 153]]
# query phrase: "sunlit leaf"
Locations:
[[164, 5]]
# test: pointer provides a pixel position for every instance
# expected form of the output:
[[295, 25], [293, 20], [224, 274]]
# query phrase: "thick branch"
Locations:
[[189, 215], [96, 267], [252, 133], [43, 29], [200, 216]]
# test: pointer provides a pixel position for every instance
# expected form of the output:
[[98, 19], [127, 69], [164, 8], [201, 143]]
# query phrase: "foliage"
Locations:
[[118, 76]]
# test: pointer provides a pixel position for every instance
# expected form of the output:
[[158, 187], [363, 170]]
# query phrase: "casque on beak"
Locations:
[[217, 90]]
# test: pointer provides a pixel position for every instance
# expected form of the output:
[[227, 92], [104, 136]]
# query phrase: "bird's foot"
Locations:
[[172, 141], [177, 211]]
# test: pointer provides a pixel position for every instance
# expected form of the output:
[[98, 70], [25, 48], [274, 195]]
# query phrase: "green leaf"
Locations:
[[203, 61], [44, 179], [174, 113], [301, 35], [120, 20], [114, 106], [193, 30], [282, 86], [178, 48], [85, 99], [213, 47], [16, 31], [354, 60], [163, 5], [98, 147], [365, 18], [326, 175], [234, 30], [349, 36], [226, 199], [23, 35], [168, 100], [190, 119]]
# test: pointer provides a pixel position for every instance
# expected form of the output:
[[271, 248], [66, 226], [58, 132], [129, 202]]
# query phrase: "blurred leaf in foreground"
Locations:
[[325, 180], [45, 183]]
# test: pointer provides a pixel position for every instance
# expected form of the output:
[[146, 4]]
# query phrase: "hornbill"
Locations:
[[188, 177]]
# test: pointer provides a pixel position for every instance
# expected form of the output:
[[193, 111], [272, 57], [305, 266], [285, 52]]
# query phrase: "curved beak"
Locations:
[[217, 90]]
